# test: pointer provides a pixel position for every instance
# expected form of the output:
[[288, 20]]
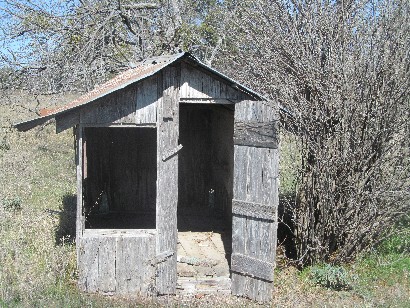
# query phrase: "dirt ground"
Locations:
[[203, 265]]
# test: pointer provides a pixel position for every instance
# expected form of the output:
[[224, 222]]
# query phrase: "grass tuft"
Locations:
[[12, 204]]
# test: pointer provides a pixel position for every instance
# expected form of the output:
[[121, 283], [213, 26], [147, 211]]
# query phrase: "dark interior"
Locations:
[[205, 167], [120, 178]]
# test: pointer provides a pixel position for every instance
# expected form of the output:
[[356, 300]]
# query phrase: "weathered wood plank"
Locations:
[[106, 265], [147, 101], [252, 209], [79, 170], [254, 201], [256, 134], [220, 101], [197, 82], [67, 120], [117, 107], [167, 178], [117, 262], [88, 264], [168, 154]]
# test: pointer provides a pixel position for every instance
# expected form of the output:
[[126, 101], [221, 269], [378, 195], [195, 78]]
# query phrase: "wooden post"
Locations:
[[167, 179], [79, 166]]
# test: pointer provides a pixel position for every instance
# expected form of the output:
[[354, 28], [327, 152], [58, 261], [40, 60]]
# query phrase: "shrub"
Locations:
[[12, 204], [332, 277], [4, 144]]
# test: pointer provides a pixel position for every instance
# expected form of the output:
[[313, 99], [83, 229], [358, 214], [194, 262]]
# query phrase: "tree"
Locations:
[[341, 69], [77, 44]]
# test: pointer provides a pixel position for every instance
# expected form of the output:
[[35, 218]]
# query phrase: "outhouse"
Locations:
[[177, 181]]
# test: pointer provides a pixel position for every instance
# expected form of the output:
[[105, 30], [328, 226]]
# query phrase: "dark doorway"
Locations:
[[205, 176]]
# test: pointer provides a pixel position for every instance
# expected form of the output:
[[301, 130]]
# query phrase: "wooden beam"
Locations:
[[255, 210], [252, 267], [256, 134], [222, 101], [167, 179], [79, 166]]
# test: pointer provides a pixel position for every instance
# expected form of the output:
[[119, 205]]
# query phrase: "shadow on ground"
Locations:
[[65, 231]]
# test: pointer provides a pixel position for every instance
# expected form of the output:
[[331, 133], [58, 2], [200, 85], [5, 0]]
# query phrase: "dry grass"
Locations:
[[37, 255]]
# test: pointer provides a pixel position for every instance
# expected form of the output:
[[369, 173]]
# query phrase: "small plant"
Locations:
[[332, 277], [4, 144], [12, 204]]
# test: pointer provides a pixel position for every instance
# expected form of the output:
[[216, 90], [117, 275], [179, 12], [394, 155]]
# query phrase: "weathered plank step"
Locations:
[[190, 286]]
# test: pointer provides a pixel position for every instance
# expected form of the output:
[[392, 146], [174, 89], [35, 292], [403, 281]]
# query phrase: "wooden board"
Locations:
[[116, 107], [200, 83], [117, 262], [254, 230], [79, 146], [167, 179], [147, 101]]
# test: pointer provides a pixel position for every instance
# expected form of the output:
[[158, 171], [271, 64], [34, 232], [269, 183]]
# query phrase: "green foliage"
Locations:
[[12, 204], [4, 144], [332, 277], [399, 242]]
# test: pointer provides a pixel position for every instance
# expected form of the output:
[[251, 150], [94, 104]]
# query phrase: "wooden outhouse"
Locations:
[[167, 152]]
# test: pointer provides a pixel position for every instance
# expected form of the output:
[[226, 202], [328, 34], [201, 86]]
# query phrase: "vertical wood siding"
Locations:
[[198, 83], [117, 107], [117, 263], [255, 184], [147, 101]]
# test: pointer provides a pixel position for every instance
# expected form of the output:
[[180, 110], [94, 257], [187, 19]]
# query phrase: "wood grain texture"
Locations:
[[255, 182], [117, 107], [117, 263], [252, 209], [79, 170], [256, 134], [147, 101], [167, 178], [197, 82], [252, 267]]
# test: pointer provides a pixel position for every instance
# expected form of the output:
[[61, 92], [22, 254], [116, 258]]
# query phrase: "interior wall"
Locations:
[[206, 160], [120, 177]]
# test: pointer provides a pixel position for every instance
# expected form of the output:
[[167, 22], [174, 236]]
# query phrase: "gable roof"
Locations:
[[143, 69]]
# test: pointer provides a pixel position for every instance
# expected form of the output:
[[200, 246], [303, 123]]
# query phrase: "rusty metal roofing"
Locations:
[[143, 69]]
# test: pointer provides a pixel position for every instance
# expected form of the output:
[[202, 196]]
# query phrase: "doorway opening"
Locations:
[[120, 172], [205, 183]]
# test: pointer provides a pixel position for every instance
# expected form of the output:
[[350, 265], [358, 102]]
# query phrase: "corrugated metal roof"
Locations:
[[143, 69]]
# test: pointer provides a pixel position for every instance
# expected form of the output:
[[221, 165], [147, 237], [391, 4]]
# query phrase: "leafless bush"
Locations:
[[341, 69]]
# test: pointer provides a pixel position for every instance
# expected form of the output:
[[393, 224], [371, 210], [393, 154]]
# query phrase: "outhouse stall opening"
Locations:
[[177, 174]]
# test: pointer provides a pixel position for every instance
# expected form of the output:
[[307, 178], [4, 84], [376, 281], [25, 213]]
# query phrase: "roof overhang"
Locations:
[[143, 70]]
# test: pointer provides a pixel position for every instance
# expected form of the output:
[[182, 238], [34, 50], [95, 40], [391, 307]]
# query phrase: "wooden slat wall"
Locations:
[[255, 182], [147, 101], [117, 264], [167, 179], [117, 107], [198, 83]]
